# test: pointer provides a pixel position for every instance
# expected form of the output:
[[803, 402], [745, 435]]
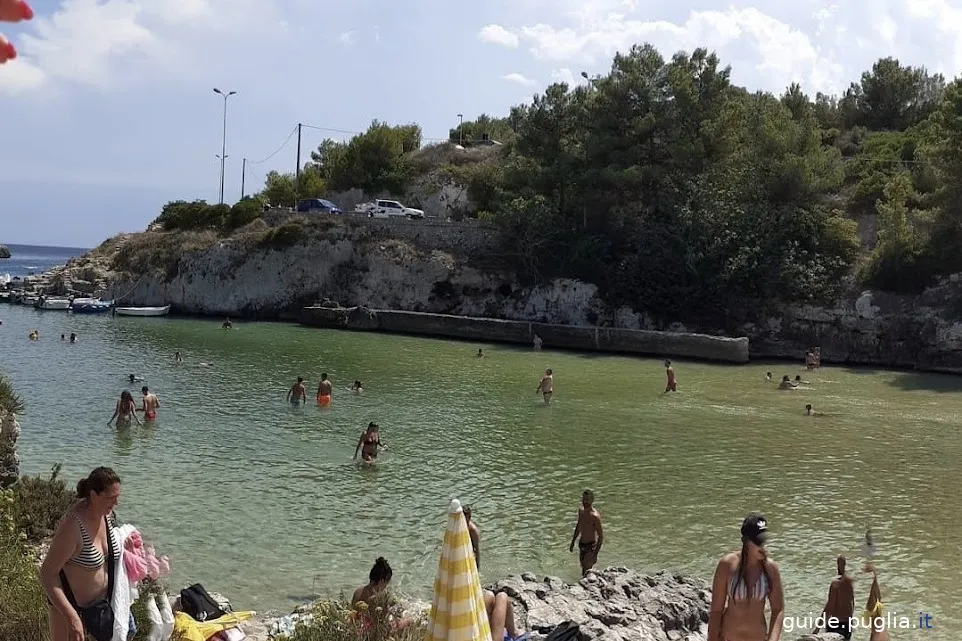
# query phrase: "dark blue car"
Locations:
[[318, 205]]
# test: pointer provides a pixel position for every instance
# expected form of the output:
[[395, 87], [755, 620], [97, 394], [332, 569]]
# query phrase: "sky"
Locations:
[[110, 112]]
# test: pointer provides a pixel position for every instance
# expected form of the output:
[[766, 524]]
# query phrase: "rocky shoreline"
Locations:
[[354, 266], [614, 604]]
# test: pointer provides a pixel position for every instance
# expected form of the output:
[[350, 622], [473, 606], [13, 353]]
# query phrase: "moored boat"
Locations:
[[96, 307], [143, 311], [58, 304]]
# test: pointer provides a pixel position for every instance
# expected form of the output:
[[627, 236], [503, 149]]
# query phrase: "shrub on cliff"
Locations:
[[284, 236], [375, 621], [38, 503], [23, 608], [183, 215], [244, 212], [9, 400]]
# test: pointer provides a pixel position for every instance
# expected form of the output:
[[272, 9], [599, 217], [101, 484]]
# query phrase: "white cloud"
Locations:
[[496, 34], [518, 79], [822, 44], [88, 41]]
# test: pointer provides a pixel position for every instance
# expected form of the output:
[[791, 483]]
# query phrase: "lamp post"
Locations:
[[223, 153], [461, 130]]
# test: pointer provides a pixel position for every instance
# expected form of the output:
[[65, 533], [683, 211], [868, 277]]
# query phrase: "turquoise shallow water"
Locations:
[[261, 501]]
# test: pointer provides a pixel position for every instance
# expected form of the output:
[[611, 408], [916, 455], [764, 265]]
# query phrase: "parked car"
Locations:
[[317, 205], [393, 209]]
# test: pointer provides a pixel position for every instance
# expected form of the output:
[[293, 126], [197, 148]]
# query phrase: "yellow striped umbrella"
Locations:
[[457, 611]]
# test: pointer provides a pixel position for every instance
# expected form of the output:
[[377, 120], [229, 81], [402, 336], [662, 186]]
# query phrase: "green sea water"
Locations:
[[261, 501]]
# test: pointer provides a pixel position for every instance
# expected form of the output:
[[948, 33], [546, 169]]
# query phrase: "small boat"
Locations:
[[96, 307], [143, 311], [85, 301], [59, 304]]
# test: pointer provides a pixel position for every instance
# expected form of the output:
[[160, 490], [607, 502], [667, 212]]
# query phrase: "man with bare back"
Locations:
[[589, 530], [840, 606], [475, 535]]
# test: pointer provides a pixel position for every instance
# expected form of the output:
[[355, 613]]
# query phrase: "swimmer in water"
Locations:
[[799, 381], [672, 385], [786, 384], [768, 377], [151, 404], [34, 335], [298, 393], [135, 379], [227, 324], [537, 343], [73, 338], [178, 358], [546, 386], [63, 337], [324, 389], [125, 410], [480, 353], [357, 387], [369, 443]]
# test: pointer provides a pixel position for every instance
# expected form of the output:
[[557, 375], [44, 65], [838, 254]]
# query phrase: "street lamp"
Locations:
[[223, 153], [461, 130]]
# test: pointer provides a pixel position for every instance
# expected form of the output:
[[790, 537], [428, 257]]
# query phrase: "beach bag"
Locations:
[[565, 631], [198, 604], [98, 617]]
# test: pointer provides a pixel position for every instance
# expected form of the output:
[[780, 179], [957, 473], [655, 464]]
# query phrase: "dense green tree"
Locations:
[[472, 132], [373, 161]]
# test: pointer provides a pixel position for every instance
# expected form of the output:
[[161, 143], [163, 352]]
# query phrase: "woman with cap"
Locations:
[[743, 582]]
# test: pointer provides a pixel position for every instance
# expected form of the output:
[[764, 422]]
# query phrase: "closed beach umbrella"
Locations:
[[457, 611]]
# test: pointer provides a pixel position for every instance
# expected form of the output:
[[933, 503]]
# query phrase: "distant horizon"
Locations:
[[11, 245]]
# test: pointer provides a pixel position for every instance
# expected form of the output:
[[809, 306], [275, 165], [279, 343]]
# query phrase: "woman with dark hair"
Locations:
[[77, 572], [743, 582], [378, 579], [369, 443], [125, 410]]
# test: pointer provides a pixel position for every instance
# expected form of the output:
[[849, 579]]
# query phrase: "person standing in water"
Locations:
[[357, 387], [125, 410], [840, 604], [324, 389], [298, 393], [546, 386], [743, 582], [475, 535], [178, 358], [536, 343], [369, 443], [151, 404], [590, 532], [672, 385]]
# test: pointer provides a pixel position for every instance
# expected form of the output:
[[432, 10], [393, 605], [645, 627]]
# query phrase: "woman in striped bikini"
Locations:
[[743, 582], [74, 573]]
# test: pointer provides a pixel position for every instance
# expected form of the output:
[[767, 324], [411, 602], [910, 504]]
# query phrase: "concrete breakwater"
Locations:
[[600, 339]]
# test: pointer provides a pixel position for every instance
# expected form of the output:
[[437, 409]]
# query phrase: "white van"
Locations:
[[393, 209]]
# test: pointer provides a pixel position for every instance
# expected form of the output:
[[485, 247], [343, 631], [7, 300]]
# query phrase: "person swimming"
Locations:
[[34, 335], [227, 324], [357, 387], [124, 411], [768, 377], [799, 381], [73, 337], [324, 389], [480, 353], [369, 443], [786, 384], [135, 379], [178, 358]]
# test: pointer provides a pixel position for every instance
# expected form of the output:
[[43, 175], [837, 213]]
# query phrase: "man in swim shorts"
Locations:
[[672, 385], [324, 389], [298, 393], [588, 529], [151, 403], [841, 603], [546, 386], [475, 535]]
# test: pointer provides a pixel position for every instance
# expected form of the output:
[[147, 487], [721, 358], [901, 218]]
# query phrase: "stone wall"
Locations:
[[598, 339]]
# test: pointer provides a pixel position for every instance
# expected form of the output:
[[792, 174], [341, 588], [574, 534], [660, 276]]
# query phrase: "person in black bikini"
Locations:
[[589, 529], [369, 443]]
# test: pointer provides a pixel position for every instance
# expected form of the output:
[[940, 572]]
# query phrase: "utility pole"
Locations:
[[243, 176], [223, 152], [461, 130], [297, 170]]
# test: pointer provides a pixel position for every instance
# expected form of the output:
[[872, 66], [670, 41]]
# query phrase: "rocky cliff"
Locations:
[[272, 271], [4, 251]]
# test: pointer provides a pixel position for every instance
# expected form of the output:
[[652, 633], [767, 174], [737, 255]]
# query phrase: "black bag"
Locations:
[[565, 631], [196, 602], [98, 617]]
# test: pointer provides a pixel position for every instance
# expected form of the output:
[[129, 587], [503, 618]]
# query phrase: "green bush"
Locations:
[[38, 504], [243, 213], [338, 621], [23, 608], [9, 400], [284, 236], [183, 215]]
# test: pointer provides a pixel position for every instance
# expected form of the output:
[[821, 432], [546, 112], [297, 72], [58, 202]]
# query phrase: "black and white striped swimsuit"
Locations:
[[91, 556]]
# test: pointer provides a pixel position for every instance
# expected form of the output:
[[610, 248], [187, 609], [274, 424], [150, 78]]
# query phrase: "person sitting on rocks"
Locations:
[[743, 582], [501, 617], [378, 580]]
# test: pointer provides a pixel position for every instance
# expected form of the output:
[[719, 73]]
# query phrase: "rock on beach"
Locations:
[[4, 251], [615, 604]]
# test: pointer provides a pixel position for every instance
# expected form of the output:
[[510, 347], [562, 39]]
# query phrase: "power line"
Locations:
[[276, 151]]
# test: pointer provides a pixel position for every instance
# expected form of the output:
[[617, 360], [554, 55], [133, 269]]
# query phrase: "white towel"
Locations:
[[124, 593]]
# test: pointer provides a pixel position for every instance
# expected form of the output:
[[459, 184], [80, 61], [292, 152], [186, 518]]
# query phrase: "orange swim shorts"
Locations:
[[324, 399]]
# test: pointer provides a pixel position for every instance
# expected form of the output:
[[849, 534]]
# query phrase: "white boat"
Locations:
[[86, 301], [143, 311], [59, 304]]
